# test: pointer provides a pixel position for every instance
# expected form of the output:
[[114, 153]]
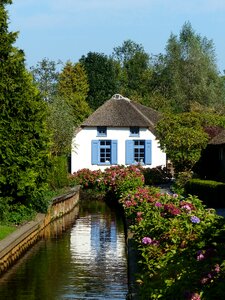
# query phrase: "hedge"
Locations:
[[212, 193]]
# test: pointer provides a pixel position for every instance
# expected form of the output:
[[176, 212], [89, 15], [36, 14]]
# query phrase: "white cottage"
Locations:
[[120, 132]]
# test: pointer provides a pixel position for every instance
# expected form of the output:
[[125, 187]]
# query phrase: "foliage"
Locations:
[[182, 137], [127, 51], [86, 178], [24, 146], [211, 192], [157, 101], [116, 179], [73, 80], [58, 174], [73, 88], [178, 186], [187, 74], [180, 245], [61, 126], [119, 179], [4, 207], [12, 212], [180, 242], [102, 73], [135, 73], [157, 175], [46, 75]]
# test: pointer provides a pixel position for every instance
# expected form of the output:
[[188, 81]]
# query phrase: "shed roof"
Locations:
[[216, 134], [219, 139], [122, 112]]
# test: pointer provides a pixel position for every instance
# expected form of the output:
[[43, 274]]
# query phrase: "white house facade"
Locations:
[[120, 132]]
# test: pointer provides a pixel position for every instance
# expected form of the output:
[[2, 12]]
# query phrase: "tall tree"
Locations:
[[135, 73], [61, 125], [73, 88], [24, 142], [102, 73], [46, 75], [188, 73], [127, 51]]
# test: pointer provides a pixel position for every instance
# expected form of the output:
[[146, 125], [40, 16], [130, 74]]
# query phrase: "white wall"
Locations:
[[81, 147]]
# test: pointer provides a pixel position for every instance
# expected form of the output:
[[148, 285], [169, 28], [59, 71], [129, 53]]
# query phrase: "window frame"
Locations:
[[130, 152], [136, 131], [103, 153], [101, 131], [96, 152], [139, 152]]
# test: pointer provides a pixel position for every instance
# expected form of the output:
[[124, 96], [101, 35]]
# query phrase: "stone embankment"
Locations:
[[17, 243]]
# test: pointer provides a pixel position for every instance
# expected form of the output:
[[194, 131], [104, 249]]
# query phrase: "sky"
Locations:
[[67, 29]]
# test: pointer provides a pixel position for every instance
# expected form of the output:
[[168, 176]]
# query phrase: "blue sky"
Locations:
[[68, 29]]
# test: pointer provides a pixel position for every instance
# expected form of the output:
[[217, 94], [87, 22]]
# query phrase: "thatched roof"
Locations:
[[122, 112]]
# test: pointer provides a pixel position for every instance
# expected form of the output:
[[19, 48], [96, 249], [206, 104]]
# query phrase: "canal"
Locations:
[[80, 256]]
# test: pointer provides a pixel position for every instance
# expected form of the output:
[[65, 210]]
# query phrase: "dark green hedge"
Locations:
[[212, 193]]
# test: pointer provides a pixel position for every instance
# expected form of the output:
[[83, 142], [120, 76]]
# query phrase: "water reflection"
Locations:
[[85, 261]]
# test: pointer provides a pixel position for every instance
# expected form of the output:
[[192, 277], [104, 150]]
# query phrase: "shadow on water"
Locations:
[[81, 256]]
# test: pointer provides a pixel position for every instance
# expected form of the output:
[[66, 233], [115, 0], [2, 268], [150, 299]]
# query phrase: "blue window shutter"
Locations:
[[114, 152], [94, 152], [148, 152], [129, 160]]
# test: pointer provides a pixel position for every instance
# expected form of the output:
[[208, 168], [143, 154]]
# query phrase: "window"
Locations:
[[134, 131], [104, 152], [138, 152], [101, 131]]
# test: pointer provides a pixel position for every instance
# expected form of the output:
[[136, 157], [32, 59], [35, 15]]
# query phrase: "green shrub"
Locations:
[[156, 175], [116, 179], [58, 175], [211, 192], [181, 179], [86, 178], [14, 213], [180, 245], [4, 207], [20, 213], [119, 179]]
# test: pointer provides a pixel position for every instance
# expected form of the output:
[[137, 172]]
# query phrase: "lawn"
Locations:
[[6, 230]]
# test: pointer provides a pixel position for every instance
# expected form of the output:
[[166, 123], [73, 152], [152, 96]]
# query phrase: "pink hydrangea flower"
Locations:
[[146, 240]]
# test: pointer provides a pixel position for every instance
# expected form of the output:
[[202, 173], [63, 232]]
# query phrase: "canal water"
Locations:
[[80, 256]]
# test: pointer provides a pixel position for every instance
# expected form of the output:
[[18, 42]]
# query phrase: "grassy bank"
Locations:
[[6, 230]]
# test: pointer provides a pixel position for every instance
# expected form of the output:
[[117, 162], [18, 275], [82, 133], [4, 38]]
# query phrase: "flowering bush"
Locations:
[[116, 179], [180, 244], [86, 178], [120, 179]]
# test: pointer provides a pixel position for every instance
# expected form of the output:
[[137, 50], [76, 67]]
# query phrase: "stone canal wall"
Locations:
[[17, 243]]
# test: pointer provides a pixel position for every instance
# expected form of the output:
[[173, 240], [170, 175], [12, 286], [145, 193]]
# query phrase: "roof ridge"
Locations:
[[141, 113], [120, 97]]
